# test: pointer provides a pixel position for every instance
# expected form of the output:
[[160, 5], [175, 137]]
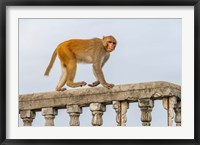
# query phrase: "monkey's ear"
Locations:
[[104, 41]]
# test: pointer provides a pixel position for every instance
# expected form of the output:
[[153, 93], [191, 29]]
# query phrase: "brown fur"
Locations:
[[91, 51]]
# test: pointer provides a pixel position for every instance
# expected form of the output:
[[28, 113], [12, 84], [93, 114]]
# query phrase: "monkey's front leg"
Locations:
[[109, 86], [106, 85], [96, 83], [99, 74]]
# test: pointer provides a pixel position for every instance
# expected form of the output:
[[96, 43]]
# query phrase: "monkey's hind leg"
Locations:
[[71, 72], [62, 80]]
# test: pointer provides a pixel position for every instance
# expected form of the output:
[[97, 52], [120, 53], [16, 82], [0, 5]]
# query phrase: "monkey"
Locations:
[[95, 51]]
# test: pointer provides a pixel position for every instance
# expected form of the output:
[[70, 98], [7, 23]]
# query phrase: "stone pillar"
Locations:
[[124, 107], [74, 113], [117, 107], [97, 112], [121, 109], [169, 104], [146, 106], [177, 110], [27, 117], [49, 115]]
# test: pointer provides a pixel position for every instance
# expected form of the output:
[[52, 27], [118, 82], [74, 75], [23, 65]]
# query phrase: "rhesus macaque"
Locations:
[[94, 51]]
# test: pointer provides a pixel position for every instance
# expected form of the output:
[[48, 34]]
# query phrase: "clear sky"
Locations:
[[147, 50]]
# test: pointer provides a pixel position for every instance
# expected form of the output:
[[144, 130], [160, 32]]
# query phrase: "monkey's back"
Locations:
[[81, 49]]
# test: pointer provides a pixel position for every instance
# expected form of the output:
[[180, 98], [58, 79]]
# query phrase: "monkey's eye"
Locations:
[[112, 42]]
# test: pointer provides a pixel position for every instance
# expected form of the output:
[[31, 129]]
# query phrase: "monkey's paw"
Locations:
[[108, 86], [77, 84], [80, 84], [61, 89], [94, 84]]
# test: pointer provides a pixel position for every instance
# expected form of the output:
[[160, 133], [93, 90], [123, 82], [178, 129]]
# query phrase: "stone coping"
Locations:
[[85, 96]]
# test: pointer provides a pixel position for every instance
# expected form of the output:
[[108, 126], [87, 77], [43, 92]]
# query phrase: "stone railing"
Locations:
[[97, 98]]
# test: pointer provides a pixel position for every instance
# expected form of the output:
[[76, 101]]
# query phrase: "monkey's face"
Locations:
[[110, 46], [109, 43]]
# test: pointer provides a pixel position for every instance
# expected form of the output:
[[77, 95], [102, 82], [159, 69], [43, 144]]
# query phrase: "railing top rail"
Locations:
[[85, 96]]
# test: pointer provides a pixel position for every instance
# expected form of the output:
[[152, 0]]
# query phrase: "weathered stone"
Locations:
[[124, 107], [49, 111], [169, 104], [97, 112], [74, 113], [144, 93], [177, 109], [146, 106], [117, 107], [74, 108], [121, 109], [97, 106], [27, 117], [84, 97], [49, 115]]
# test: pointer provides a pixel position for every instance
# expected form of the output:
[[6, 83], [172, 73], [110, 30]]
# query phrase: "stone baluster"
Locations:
[[74, 113], [117, 107], [146, 106], [177, 110], [124, 107], [49, 115], [121, 109], [169, 104], [27, 117], [97, 112]]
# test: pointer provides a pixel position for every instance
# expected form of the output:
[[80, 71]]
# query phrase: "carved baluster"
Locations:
[[146, 106], [124, 107], [97, 112], [168, 104], [74, 113], [121, 109], [117, 107], [49, 115], [27, 117], [177, 110]]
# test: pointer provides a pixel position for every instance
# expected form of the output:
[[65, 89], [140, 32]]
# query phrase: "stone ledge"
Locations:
[[85, 96]]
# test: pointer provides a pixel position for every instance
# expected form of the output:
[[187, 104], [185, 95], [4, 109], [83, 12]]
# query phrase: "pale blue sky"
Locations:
[[147, 50]]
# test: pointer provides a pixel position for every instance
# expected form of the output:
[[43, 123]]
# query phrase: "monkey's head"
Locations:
[[109, 43]]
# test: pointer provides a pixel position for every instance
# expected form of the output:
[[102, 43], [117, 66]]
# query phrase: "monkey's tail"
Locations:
[[53, 58]]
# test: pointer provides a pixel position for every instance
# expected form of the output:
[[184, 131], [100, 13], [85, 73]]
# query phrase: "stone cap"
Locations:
[[85, 96]]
